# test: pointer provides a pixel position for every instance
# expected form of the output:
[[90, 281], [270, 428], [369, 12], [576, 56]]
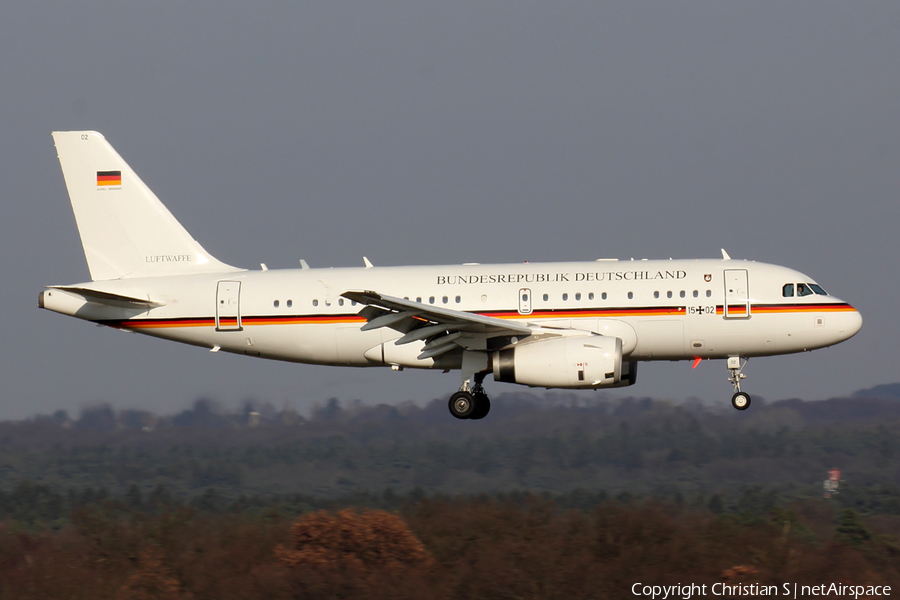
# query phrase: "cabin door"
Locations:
[[228, 306], [737, 294]]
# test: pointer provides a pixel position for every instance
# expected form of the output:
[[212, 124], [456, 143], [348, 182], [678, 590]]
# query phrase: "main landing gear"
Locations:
[[470, 402], [736, 364]]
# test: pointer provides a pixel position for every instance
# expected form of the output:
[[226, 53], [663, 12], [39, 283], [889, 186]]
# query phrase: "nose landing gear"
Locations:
[[736, 364]]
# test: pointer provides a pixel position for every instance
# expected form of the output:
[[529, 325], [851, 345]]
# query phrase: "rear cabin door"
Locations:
[[228, 306], [737, 294]]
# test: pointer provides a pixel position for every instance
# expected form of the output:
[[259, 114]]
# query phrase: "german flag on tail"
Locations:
[[109, 178]]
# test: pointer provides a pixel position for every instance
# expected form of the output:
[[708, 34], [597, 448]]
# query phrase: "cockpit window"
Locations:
[[818, 289], [803, 289], [788, 290]]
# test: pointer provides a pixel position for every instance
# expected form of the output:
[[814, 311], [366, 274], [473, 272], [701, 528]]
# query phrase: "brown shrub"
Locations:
[[151, 581], [371, 539]]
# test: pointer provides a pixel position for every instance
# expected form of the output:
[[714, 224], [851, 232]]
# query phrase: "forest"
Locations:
[[551, 496]]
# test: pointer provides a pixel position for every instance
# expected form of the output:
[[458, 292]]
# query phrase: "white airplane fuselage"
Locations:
[[557, 325], [662, 309]]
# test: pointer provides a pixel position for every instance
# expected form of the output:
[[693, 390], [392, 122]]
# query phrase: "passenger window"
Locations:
[[709, 293], [591, 296], [444, 299], [788, 290], [419, 299], [276, 303], [290, 303], [546, 297], [803, 290], [458, 299], [431, 300], [315, 302], [603, 296], [668, 294], [565, 297], [340, 302], [656, 294], [578, 296], [630, 295], [681, 293], [696, 294]]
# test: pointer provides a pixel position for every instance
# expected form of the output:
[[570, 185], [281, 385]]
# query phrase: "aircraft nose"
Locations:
[[851, 323]]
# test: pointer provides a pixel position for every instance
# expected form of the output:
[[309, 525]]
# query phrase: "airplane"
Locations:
[[572, 325]]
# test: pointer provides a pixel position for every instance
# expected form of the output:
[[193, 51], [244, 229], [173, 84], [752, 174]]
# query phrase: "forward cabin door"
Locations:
[[737, 294], [228, 306]]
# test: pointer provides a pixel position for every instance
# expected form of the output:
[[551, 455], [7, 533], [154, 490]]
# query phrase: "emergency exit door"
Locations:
[[228, 306], [525, 301], [737, 294]]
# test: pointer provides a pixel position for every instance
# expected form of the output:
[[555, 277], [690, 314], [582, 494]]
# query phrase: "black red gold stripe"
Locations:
[[802, 308], [618, 312], [245, 321], [651, 311]]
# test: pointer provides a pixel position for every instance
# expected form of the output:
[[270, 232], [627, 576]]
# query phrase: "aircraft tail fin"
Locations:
[[125, 230]]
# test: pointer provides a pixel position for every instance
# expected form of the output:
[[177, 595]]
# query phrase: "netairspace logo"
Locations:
[[793, 590]]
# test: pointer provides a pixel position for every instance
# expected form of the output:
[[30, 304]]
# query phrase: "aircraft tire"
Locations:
[[741, 401], [482, 406], [462, 405]]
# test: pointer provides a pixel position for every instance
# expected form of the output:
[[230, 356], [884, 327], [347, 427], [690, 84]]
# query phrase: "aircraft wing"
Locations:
[[443, 329]]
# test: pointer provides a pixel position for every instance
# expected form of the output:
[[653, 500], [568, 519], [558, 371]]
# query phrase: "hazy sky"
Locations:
[[421, 132]]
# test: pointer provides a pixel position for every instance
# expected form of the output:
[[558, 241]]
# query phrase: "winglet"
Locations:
[[725, 255]]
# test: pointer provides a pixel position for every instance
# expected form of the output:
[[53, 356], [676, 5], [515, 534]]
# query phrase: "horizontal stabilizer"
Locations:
[[107, 297]]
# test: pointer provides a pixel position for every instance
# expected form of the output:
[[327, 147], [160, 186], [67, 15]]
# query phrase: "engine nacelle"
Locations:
[[585, 361], [629, 374]]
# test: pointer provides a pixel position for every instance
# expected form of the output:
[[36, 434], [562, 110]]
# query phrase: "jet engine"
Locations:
[[588, 361]]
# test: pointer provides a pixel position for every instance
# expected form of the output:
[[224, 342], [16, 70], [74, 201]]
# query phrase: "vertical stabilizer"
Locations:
[[125, 230]]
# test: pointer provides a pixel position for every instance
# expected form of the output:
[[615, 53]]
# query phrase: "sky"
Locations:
[[442, 133]]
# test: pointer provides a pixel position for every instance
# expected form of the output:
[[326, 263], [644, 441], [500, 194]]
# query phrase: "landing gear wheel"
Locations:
[[482, 406], [741, 401], [462, 405]]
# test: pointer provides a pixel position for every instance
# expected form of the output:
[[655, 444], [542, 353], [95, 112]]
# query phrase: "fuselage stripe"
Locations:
[[151, 323]]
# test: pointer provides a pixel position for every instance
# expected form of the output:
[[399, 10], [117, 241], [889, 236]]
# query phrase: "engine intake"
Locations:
[[588, 361]]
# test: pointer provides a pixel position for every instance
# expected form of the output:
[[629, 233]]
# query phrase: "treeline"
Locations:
[[557, 444], [442, 548], [36, 506]]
